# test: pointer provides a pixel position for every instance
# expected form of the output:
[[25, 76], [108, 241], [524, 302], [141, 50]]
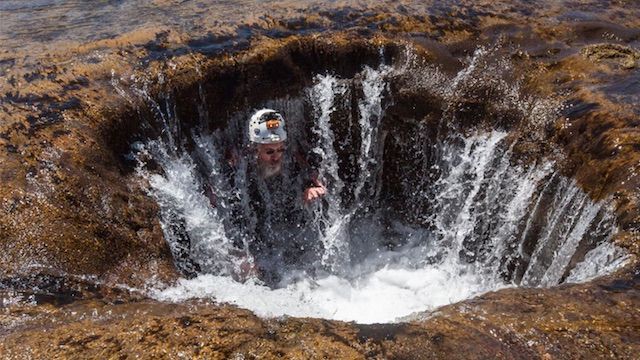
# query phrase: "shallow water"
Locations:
[[40, 26]]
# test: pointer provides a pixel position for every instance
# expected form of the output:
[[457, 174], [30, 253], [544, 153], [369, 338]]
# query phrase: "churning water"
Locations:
[[473, 218]]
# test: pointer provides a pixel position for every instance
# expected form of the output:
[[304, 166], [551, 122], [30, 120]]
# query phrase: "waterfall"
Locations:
[[336, 245], [488, 221]]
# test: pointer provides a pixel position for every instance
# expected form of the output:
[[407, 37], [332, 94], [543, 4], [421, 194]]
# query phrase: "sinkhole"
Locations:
[[441, 181]]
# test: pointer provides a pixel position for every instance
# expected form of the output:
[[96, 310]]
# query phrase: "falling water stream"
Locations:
[[474, 218]]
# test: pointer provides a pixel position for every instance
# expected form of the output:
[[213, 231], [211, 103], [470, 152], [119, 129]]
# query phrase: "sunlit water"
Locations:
[[492, 223], [41, 26]]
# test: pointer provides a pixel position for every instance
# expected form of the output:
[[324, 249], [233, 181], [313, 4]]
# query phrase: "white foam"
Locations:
[[382, 296]]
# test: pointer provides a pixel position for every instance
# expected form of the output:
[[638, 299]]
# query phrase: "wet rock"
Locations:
[[621, 55], [572, 321], [71, 205]]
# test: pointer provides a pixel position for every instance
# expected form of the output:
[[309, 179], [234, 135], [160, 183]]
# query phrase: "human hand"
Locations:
[[314, 192]]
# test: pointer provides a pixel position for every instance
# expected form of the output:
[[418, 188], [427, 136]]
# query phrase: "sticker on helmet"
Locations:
[[273, 124]]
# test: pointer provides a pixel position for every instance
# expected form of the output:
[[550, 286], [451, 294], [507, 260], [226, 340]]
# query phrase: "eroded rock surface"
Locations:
[[594, 321], [70, 204]]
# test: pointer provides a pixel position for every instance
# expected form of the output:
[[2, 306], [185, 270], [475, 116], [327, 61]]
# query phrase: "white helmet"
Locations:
[[266, 126]]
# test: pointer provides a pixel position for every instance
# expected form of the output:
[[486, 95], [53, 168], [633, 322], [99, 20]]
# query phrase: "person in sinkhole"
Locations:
[[281, 183]]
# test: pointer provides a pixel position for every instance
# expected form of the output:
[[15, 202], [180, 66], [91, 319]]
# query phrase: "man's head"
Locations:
[[269, 158], [267, 132]]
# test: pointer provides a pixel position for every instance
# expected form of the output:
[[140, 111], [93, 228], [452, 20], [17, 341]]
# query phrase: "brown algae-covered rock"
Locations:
[[71, 206]]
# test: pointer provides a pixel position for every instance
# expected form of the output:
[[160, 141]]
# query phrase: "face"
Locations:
[[270, 158]]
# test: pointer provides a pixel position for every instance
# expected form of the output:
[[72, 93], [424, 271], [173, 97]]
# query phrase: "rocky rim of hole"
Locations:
[[63, 181]]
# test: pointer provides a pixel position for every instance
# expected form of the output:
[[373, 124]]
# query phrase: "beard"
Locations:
[[269, 170]]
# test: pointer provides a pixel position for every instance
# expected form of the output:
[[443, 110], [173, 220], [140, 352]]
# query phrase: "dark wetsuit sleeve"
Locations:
[[313, 160], [308, 163]]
